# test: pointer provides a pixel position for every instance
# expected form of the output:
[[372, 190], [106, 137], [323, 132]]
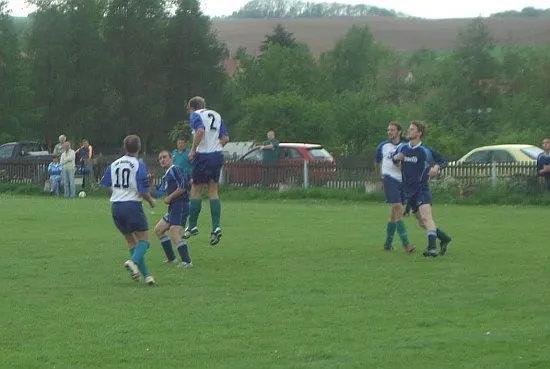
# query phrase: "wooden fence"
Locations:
[[346, 173]]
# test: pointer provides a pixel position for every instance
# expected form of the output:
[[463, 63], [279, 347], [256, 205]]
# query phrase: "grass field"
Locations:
[[292, 285]]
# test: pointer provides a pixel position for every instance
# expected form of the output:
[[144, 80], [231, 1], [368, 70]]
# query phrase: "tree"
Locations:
[[135, 41], [281, 69], [193, 59], [354, 60], [281, 37], [12, 92]]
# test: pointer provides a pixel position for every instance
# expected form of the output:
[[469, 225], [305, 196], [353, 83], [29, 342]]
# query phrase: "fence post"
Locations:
[[221, 179], [306, 175], [494, 173]]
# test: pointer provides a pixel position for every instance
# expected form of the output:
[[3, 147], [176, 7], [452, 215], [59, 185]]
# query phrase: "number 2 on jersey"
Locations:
[[212, 121], [125, 178]]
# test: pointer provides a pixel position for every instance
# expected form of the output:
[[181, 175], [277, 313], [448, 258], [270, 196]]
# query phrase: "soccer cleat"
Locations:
[[215, 236], [184, 265], [132, 268], [150, 280], [190, 232], [443, 246], [409, 249], [388, 248], [173, 261], [430, 252]]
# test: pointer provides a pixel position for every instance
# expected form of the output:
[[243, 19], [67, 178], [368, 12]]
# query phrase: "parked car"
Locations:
[[501, 154], [24, 162], [510, 160], [24, 150], [247, 170]]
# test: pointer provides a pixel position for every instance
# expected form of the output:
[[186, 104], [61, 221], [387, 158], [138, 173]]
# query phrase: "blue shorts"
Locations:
[[416, 200], [177, 213], [129, 217], [393, 190], [207, 167]]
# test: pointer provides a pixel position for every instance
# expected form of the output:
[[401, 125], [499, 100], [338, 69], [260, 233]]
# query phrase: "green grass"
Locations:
[[294, 284]]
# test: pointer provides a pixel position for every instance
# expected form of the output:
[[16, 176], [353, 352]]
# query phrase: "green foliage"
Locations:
[[280, 37], [301, 9], [525, 12]]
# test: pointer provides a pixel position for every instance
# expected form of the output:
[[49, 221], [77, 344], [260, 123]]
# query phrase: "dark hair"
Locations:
[[546, 138], [197, 103], [396, 125], [181, 138], [421, 128], [132, 144], [166, 151]]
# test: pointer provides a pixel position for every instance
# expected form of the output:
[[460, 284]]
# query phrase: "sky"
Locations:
[[418, 8]]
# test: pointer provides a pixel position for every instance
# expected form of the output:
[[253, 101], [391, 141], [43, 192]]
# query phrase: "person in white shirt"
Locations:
[[391, 175], [67, 160], [129, 183], [206, 155]]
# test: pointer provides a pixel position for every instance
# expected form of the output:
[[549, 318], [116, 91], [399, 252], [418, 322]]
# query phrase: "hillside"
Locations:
[[401, 34]]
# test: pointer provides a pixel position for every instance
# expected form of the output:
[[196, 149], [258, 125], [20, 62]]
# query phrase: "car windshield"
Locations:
[[319, 153], [532, 152]]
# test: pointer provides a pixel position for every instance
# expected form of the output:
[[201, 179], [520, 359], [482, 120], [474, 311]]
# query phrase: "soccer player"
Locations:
[[418, 164], [543, 162], [392, 186], [175, 186], [127, 179], [209, 137]]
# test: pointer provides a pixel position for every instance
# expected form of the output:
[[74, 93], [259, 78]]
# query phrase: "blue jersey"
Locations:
[[172, 180], [542, 160], [415, 167]]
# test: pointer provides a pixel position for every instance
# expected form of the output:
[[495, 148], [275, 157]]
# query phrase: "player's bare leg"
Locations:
[[139, 255], [425, 213], [160, 230], [130, 266], [181, 245], [215, 212], [396, 223], [194, 211], [440, 234]]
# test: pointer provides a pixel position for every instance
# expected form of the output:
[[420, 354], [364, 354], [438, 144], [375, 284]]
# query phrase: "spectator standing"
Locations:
[[180, 157], [85, 154], [270, 156], [68, 169], [58, 149], [543, 162]]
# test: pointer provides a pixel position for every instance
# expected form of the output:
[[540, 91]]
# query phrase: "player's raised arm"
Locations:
[[142, 181], [398, 156]]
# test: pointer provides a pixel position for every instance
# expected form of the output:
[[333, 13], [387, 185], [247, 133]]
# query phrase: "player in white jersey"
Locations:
[[209, 137], [128, 181], [391, 175]]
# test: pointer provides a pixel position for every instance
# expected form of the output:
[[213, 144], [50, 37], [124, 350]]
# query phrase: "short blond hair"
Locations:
[[197, 103]]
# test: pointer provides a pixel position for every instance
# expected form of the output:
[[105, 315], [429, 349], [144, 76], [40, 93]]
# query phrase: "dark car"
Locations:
[[23, 162], [289, 169]]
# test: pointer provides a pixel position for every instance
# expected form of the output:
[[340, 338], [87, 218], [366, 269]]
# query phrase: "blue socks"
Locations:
[[432, 238], [183, 250], [138, 257], [167, 246]]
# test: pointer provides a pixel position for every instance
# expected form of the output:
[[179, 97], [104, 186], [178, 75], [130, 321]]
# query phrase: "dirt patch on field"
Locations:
[[397, 33]]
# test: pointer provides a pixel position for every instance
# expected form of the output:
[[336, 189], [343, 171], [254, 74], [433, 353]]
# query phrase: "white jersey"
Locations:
[[384, 155], [127, 178], [214, 129]]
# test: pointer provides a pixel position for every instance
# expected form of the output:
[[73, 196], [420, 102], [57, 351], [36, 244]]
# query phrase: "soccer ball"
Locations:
[[82, 194]]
